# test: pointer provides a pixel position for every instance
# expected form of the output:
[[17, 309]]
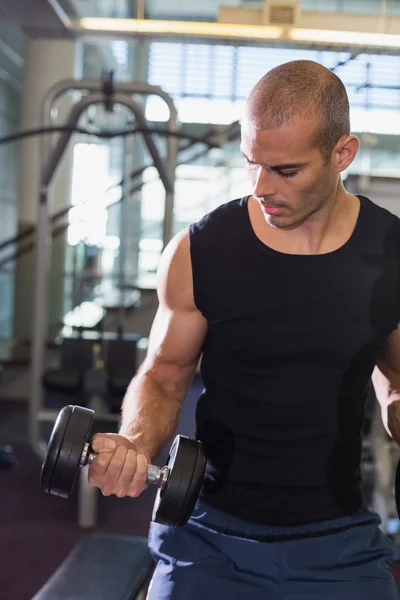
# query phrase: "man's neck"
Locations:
[[322, 233], [328, 229]]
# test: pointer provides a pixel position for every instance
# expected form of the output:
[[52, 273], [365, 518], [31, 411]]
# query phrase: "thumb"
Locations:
[[102, 442]]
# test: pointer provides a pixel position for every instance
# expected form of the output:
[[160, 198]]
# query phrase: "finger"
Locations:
[[139, 482], [99, 467], [103, 443], [127, 474], [113, 471]]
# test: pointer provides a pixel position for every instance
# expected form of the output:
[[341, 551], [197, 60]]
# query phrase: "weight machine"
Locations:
[[93, 92]]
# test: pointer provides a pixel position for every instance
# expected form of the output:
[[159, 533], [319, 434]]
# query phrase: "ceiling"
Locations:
[[50, 18], [41, 18], [56, 18], [207, 10], [203, 10]]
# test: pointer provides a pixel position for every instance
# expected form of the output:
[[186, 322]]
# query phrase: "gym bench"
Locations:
[[102, 567]]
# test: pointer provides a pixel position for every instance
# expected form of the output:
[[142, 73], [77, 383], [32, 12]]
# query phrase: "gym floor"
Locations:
[[37, 531]]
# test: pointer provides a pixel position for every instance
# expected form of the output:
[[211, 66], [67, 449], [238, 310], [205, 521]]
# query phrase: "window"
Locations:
[[210, 83]]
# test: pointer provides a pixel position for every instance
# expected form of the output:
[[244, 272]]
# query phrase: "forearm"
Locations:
[[150, 413], [386, 383]]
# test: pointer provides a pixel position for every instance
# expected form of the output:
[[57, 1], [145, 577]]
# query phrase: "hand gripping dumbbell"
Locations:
[[178, 482]]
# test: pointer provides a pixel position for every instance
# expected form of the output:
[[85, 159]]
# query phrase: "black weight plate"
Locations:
[[397, 489], [76, 435], [53, 447], [172, 503], [172, 498], [195, 486]]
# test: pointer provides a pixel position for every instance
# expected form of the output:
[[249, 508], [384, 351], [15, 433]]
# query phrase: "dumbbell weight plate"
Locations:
[[69, 436], [175, 502], [397, 488]]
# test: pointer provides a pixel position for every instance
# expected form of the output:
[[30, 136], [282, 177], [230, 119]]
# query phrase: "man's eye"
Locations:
[[291, 174]]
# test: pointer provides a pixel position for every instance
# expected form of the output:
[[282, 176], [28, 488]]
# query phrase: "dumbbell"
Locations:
[[178, 481]]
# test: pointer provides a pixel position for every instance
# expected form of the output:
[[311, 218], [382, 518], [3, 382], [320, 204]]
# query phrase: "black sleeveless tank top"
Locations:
[[286, 366]]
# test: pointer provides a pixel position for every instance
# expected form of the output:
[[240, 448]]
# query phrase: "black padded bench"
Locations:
[[76, 356], [101, 567], [119, 354]]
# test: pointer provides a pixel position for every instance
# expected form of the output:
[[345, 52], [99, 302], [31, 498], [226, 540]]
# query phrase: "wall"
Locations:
[[11, 47]]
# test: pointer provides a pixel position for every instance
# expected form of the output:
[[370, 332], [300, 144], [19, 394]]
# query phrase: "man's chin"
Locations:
[[281, 222]]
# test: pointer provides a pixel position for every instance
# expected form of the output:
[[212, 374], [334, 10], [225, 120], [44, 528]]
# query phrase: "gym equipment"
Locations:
[[178, 482], [192, 139], [100, 567], [76, 356], [121, 363], [79, 366], [53, 148], [397, 488], [108, 93]]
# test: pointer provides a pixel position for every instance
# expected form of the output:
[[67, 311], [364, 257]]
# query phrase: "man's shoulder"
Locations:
[[379, 229], [221, 214], [379, 213]]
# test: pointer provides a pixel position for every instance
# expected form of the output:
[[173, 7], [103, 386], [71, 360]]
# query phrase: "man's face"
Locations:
[[288, 174]]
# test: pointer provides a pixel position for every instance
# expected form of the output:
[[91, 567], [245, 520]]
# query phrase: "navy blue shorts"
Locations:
[[212, 557]]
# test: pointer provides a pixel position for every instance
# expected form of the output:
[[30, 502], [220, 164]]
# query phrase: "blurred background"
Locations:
[[89, 250]]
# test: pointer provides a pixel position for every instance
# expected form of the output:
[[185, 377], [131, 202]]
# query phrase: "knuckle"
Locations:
[[131, 457]]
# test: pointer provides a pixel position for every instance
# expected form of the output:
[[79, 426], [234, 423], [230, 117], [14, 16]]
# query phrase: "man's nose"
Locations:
[[264, 184]]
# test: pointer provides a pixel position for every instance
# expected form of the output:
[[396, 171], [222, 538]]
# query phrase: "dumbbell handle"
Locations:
[[156, 475]]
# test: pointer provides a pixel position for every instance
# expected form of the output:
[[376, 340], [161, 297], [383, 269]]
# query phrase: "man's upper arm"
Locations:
[[179, 329], [386, 376], [386, 381], [390, 356]]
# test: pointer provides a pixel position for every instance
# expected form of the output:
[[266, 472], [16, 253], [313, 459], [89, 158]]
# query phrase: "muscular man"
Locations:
[[292, 296]]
